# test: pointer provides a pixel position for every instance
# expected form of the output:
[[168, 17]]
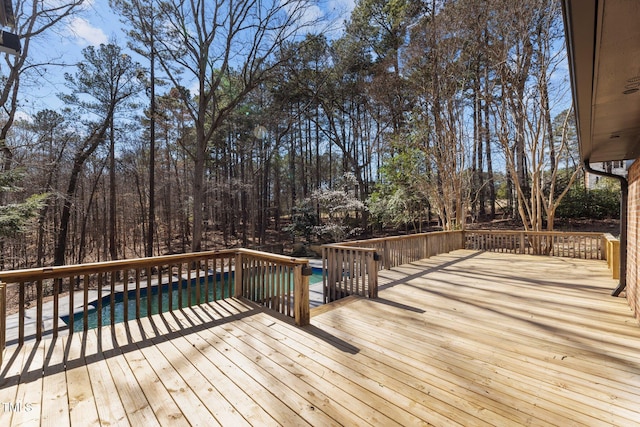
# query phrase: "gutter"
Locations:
[[624, 199]]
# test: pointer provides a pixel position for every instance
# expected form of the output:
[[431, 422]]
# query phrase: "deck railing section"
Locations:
[[553, 243], [3, 319], [351, 267], [88, 293], [347, 264], [612, 254], [276, 282], [349, 271], [398, 250]]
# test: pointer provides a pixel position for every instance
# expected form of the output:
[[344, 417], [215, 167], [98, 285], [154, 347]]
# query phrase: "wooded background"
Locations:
[[218, 124]]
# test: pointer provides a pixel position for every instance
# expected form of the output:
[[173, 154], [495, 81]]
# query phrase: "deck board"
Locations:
[[30, 388], [11, 372], [55, 402], [164, 408], [462, 339], [111, 410], [83, 405]]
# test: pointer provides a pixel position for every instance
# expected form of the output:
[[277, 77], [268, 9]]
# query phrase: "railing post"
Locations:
[[301, 294], [386, 255], [325, 271], [425, 246], [21, 315], [615, 258], [372, 274], [237, 285], [3, 319], [522, 249], [428, 243]]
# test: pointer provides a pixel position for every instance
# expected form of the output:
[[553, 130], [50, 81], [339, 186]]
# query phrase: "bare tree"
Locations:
[[142, 20], [103, 82], [225, 49], [523, 124], [33, 19], [440, 76]]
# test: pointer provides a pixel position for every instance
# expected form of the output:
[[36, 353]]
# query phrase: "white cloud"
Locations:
[[341, 6], [302, 11], [322, 17], [310, 14], [85, 33], [23, 115], [337, 12]]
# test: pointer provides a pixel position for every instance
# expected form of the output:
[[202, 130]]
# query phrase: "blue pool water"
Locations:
[[212, 287]]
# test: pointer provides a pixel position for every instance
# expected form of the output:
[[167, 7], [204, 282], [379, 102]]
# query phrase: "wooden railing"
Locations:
[[349, 271], [612, 254], [86, 295], [551, 243], [398, 250], [3, 319], [349, 266], [276, 282]]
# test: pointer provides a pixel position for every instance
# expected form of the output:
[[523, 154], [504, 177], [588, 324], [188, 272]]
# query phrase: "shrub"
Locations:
[[599, 203]]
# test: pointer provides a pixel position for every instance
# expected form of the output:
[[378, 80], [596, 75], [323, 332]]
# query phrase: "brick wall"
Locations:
[[633, 255]]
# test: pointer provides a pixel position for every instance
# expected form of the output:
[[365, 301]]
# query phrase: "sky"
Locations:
[[97, 24]]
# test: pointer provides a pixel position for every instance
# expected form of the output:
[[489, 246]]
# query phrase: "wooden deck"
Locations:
[[467, 338]]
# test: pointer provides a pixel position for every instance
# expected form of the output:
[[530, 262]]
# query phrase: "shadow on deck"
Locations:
[[465, 338]]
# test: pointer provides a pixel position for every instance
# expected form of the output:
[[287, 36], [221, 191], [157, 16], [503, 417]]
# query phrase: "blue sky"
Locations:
[[97, 24]]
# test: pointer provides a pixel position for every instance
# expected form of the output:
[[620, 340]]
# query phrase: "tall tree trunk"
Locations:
[[61, 246], [198, 186], [78, 162], [487, 141], [85, 218], [152, 146], [113, 249]]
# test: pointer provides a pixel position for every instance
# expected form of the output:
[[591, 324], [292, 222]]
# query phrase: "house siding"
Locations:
[[633, 230]]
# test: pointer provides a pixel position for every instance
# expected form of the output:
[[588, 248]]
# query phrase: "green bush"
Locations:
[[598, 203]]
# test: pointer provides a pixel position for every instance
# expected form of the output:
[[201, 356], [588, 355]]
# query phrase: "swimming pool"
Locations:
[[213, 287]]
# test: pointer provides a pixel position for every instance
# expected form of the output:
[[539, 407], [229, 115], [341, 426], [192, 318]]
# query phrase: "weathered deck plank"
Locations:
[[465, 338]]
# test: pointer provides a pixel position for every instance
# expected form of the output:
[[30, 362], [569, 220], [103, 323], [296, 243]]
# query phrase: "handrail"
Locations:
[[349, 270], [276, 282], [85, 294], [586, 245], [42, 273], [282, 259], [397, 250], [612, 254], [3, 319]]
